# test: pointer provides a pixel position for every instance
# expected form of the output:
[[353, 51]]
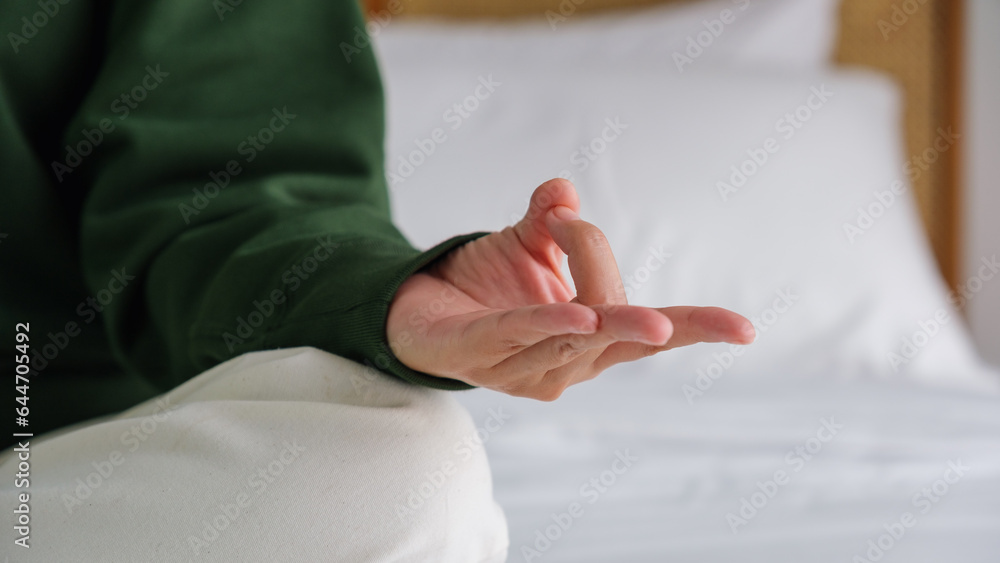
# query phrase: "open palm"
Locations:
[[497, 313]]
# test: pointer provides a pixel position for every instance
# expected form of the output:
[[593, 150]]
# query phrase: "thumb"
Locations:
[[532, 230]]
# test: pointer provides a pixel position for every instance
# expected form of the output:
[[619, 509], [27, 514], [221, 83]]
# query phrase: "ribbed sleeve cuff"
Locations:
[[372, 327], [344, 311]]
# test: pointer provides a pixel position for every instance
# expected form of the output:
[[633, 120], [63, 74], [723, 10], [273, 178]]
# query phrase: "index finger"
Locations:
[[591, 261]]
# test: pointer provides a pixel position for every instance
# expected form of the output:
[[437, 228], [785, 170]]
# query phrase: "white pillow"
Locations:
[[654, 190], [789, 33]]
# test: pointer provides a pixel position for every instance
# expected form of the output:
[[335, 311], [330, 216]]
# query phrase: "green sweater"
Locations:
[[184, 181]]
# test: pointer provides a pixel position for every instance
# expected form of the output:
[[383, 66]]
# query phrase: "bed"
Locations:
[[816, 199]]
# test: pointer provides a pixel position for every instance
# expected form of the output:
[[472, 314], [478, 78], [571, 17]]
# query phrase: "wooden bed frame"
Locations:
[[918, 42]]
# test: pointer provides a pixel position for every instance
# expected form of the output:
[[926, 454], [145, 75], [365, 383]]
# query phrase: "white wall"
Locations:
[[982, 170]]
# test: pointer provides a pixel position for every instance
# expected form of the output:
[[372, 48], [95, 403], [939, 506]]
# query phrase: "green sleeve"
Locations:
[[237, 198]]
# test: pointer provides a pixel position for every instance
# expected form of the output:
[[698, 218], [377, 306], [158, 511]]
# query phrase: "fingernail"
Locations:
[[564, 213], [749, 333]]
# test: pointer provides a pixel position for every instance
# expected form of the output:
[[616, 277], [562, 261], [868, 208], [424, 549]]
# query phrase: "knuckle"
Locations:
[[506, 328], [593, 237], [508, 345], [567, 349]]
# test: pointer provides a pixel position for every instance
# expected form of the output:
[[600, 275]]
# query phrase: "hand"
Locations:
[[497, 313]]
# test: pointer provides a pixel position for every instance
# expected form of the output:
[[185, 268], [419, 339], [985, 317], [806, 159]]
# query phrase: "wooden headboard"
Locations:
[[916, 41]]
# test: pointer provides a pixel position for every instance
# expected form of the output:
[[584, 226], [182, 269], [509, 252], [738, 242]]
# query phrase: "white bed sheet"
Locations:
[[696, 462]]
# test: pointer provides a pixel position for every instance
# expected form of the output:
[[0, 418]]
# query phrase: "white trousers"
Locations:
[[287, 455]]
